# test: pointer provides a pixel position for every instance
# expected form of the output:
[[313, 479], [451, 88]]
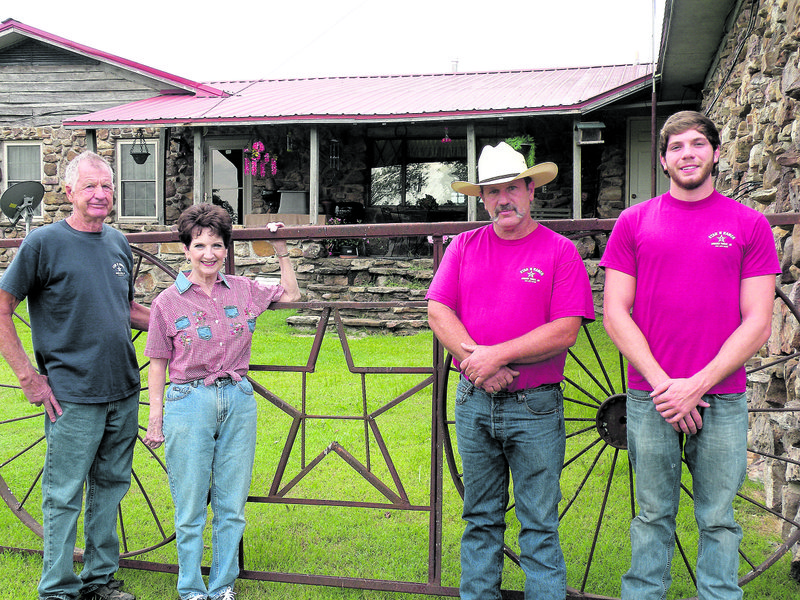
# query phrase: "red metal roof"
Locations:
[[12, 31], [382, 98]]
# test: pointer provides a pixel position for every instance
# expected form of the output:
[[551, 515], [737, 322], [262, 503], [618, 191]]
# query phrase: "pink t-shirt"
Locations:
[[207, 337], [502, 289], [688, 259]]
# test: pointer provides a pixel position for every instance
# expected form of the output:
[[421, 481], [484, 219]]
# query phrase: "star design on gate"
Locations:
[[393, 491]]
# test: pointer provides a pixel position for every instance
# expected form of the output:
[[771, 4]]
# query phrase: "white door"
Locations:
[[639, 163], [226, 183]]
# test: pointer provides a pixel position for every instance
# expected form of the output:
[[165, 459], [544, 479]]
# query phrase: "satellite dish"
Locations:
[[20, 200]]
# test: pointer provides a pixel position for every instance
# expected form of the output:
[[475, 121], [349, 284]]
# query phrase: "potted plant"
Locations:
[[336, 247], [525, 145]]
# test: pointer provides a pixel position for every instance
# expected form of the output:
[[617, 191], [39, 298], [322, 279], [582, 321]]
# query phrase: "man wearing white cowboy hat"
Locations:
[[507, 302]]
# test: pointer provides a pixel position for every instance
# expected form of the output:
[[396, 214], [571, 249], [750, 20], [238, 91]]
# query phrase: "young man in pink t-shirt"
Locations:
[[690, 279], [507, 302]]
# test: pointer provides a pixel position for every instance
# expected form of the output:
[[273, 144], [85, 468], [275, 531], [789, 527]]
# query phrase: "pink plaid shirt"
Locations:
[[207, 337]]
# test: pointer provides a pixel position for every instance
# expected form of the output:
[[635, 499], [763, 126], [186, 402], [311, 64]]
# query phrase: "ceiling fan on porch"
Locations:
[[20, 200]]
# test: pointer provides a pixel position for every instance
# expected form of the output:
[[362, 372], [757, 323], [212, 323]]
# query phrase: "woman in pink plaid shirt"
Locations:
[[202, 328]]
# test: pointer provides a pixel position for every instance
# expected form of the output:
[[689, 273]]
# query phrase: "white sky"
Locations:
[[255, 39]]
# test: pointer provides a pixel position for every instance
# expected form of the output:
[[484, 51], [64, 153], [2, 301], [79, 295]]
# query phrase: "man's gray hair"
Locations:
[[71, 172]]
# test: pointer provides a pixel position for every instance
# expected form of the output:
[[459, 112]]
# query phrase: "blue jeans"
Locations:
[[717, 459], [210, 440], [524, 432], [91, 445]]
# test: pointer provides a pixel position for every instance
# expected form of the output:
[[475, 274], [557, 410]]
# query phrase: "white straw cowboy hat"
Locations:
[[501, 164]]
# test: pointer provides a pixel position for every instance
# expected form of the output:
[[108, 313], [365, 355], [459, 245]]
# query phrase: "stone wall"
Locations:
[[59, 146], [338, 279], [752, 96]]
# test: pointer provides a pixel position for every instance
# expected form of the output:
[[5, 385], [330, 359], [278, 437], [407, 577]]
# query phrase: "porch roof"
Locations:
[[448, 96]]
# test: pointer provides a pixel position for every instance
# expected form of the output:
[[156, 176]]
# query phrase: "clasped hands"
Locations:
[[484, 370], [677, 400]]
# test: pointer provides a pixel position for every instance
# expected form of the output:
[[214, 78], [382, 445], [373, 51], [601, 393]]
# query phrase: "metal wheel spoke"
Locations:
[[582, 431], [591, 375], [685, 559], [596, 400], [23, 451], [149, 505], [581, 452], [600, 519], [597, 356], [30, 489], [585, 477]]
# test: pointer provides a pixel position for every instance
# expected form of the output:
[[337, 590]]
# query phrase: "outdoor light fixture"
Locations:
[[334, 154], [590, 132], [139, 151]]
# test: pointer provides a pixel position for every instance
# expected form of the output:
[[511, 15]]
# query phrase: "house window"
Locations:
[[415, 173], [138, 188], [23, 163]]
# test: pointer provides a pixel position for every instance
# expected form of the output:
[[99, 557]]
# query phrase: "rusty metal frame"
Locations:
[[433, 377]]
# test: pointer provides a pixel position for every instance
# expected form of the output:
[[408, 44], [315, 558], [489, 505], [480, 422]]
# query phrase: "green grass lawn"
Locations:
[[374, 543]]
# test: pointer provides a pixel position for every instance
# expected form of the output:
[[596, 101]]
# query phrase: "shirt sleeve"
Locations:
[[619, 253], [261, 296], [761, 257], [20, 277], [159, 342], [444, 286], [572, 292]]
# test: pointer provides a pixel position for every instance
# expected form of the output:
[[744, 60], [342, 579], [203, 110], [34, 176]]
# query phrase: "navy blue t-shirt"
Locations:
[[79, 288]]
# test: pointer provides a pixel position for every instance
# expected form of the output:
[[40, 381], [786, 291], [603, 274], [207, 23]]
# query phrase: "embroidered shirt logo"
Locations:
[[119, 269], [531, 274], [722, 239]]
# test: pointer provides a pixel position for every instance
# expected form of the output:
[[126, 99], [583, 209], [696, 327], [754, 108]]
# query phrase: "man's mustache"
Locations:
[[504, 207]]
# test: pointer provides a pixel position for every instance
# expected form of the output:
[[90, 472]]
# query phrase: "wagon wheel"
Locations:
[[145, 515], [597, 481]]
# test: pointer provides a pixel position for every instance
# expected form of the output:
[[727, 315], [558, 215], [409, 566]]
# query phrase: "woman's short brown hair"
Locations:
[[201, 216]]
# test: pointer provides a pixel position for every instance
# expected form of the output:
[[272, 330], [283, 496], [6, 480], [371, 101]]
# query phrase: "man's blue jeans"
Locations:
[[210, 434], [717, 459], [524, 432], [91, 445]]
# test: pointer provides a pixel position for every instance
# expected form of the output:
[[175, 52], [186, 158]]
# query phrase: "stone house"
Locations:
[[384, 147], [736, 60]]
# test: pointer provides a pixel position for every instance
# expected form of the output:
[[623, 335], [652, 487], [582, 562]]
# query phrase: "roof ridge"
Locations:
[[420, 75]]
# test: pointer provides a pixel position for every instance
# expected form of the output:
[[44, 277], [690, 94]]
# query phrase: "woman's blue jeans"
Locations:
[[210, 436], [524, 432], [717, 459], [89, 445]]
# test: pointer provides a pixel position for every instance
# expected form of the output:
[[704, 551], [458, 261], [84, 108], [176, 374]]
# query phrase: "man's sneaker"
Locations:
[[226, 595], [111, 591]]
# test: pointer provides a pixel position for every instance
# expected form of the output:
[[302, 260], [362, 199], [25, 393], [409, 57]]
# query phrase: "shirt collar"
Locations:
[[182, 281]]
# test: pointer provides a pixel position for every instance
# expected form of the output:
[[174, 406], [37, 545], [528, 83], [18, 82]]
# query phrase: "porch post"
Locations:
[[199, 184], [472, 171], [313, 201], [576, 172]]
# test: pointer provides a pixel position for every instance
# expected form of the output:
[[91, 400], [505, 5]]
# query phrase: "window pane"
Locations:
[[422, 180], [139, 198], [385, 188], [24, 163], [137, 183]]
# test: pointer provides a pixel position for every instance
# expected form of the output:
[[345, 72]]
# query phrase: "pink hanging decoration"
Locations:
[[256, 160]]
